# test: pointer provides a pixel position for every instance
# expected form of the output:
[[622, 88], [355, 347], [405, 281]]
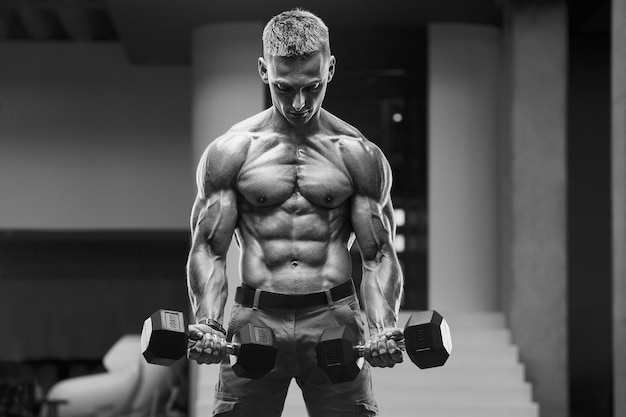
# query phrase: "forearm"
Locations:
[[207, 285], [381, 292]]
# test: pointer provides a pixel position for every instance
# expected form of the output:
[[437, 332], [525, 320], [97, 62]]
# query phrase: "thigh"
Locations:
[[235, 396], [264, 397], [353, 398], [323, 398]]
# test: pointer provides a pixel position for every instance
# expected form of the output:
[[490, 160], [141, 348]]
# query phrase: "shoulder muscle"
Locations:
[[368, 167], [221, 161]]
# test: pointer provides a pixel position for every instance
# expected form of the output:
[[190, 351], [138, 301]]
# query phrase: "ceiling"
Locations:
[[158, 32]]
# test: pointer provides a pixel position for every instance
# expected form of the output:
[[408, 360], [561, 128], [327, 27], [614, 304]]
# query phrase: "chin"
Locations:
[[299, 121]]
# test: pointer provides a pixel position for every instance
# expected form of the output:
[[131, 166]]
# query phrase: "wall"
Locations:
[[89, 142], [95, 155]]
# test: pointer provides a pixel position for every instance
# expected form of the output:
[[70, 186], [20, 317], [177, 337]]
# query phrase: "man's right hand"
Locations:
[[206, 345]]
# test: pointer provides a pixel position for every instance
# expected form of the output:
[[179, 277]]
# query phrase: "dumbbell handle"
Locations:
[[232, 348]]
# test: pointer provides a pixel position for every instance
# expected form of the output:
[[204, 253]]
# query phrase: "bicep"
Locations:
[[213, 221], [373, 226], [372, 210], [214, 213]]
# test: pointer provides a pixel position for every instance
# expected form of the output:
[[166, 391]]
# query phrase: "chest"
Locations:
[[272, 174]]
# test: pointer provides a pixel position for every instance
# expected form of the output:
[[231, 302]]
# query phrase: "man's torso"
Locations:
[[294, 211]]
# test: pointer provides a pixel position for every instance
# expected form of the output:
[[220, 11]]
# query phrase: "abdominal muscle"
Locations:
[[294, 252]]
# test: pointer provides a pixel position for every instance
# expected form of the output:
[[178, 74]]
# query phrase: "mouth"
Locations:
[[299, 114]]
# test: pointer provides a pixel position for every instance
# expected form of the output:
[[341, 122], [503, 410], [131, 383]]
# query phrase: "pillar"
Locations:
[[619, 204], [534, 183], [226, 90], [463, 94]]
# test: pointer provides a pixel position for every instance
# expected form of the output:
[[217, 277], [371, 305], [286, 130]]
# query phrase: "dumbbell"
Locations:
[[165, 338], [426, 340]]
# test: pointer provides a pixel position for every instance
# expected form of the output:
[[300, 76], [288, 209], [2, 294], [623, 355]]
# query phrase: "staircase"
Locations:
[[482, 378]]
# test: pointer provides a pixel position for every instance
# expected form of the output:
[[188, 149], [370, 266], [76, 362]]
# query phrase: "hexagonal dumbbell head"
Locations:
[[337, 355], [164, 337], [255, 348], [427, 338]]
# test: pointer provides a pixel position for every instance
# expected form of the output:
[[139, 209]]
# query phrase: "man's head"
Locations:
[[295, 33], [296, 64]]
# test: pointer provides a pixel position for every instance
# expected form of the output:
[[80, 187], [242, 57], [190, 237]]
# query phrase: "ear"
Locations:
[[331, 68], [263, 70]]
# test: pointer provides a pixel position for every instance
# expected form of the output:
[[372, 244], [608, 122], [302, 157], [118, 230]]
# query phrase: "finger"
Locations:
[[395, 334], [191, 354], [195, 346], [374, 353], [195, 334], [194, 351], [395, 353], [368, 354], [215, 349], [383, 351], [208, 348], [215, 346]]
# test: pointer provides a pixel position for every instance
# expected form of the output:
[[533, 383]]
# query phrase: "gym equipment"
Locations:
[[165, 339], [426, 339]]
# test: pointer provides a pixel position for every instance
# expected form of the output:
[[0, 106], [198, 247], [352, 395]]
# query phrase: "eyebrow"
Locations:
[[281, 81]]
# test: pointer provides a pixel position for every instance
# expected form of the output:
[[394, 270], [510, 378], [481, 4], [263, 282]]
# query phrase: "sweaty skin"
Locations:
[[296, 185]]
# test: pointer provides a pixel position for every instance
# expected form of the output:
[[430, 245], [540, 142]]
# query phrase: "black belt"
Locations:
[[245, 296]]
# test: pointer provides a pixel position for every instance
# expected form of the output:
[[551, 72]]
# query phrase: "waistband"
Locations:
[[249, 296]]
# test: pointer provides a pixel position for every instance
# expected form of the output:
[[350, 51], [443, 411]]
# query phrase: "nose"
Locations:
[[298, 101]]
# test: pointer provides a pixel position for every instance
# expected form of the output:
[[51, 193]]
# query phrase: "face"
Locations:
[[298, 85]]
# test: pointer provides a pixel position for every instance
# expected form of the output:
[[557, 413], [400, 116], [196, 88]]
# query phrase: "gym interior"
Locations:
[[504, 122]]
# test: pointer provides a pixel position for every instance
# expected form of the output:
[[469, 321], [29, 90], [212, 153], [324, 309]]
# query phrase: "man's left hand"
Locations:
[[382, 351]]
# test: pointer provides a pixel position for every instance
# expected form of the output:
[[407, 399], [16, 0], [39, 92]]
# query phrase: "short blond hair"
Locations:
[[295, 33]]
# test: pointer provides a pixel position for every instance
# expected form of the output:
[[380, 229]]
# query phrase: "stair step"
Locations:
[[485, 354], [476, 320], [529, 410], [459, 396], [480, 337], [457, 381]]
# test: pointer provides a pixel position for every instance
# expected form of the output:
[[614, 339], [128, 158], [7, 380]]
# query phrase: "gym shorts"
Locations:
[[297, 332]]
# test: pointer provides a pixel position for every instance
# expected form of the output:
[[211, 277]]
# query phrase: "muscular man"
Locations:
[[296, 186]]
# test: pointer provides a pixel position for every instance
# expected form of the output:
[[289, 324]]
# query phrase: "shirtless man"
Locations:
[[296, 186]]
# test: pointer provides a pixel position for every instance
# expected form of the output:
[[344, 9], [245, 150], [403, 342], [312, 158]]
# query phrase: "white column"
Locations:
[[463, 79], [534, 184], [226, 90]]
